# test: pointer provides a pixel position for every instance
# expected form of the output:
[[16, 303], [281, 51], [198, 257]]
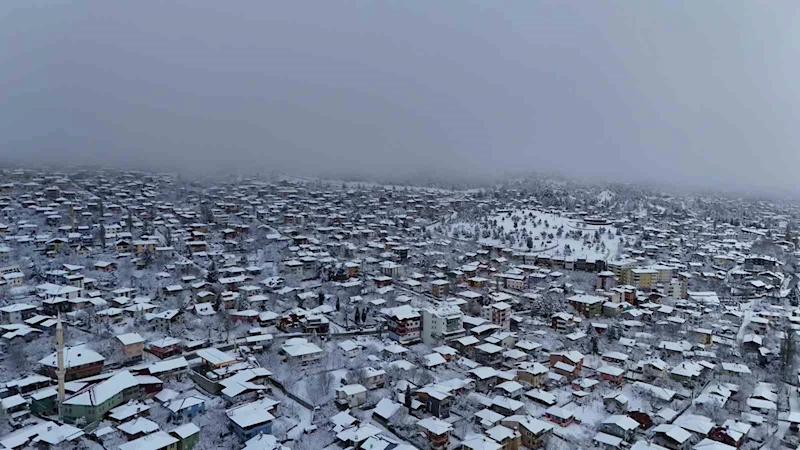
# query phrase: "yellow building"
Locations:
[[144, 246], [664, 273], [644, 278], [622, 269]]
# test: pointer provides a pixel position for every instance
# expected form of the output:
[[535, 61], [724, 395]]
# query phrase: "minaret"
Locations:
[[61, 371]]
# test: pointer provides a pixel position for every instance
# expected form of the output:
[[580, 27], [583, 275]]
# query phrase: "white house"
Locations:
[[444, 322], [352, 395], [301, 351]]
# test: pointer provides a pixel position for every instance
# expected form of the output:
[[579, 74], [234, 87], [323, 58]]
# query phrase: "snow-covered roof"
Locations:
[[483, 372], [153, 441], [352, 389], [607, 440], [435, 426], [168, 365], [404, 312], [78, 355], [138, 426], [99, 394], [251, 414], [479, 442], [186, 430], [542, 396], [300, 347], [184, 403], [386, 408], [587, 299], [708, 444], [624, 422], [434, 359], [214, 356], [531, 424], [358, 433], [264, 442]]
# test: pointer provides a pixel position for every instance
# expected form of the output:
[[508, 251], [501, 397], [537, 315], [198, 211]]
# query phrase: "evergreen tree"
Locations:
[[786, 357], [103, 236], [407, 398], [321, 298], [212, 276]]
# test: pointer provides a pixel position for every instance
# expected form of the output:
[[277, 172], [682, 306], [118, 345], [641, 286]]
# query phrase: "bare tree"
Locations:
[[318, 388]]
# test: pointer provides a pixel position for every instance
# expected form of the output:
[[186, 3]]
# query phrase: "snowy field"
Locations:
[[545, 233]]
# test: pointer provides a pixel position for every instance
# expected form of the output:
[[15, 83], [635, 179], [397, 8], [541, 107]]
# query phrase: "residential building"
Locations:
[[437, 431], [533, 432], [587, 305], [132, 345], [252, 419], [79, 362], [442, 323], [404, 324], [17, 312], [498, 313], [299, 350], [92, 404], [351, 396]]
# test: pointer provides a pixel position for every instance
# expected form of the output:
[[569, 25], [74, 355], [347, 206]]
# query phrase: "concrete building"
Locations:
[[498, 313], [444, 323]]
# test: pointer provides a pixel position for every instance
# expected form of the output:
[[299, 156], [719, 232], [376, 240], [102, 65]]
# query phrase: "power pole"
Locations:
[[61, 371]]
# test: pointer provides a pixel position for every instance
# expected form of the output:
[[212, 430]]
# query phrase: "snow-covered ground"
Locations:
[[551, 234]]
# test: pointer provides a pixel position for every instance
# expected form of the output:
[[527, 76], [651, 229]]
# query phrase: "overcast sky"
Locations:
[[698, 92]]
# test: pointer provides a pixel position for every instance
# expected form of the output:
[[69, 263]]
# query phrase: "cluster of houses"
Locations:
[[175, 297]]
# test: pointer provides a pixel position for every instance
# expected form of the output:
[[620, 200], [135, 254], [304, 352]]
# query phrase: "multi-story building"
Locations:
[[760, 263], [588, 305], [533, 431], [12, 279], [437, 431], [606, 280], [17, 312], [498, 313], [663, 273], [567, 363], [143, 246], [678, 287], [644, 279], [622, 269], [444, 322], [351, 395], [301, 351], [79, 362], [132, 345], [404, 324], [50, 291], [253, 418], [564, 322], [91, 405], [440, 288]]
